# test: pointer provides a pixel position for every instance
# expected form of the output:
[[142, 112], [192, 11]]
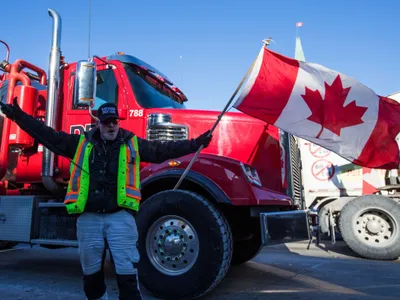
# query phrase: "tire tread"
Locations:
[[227, 240], [221, 225]]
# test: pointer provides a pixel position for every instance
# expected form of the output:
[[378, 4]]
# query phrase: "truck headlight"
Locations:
[[251, 174]]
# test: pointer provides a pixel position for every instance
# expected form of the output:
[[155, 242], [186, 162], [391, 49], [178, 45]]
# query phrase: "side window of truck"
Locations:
[[106, 90], [3, 93]]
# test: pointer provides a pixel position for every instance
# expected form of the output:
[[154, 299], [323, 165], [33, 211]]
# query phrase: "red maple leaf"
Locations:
[[330, 112]]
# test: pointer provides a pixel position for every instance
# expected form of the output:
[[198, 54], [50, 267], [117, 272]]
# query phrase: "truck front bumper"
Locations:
[[285, 227]]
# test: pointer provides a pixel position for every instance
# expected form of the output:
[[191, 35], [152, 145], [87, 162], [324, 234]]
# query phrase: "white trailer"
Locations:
[[361, 205]]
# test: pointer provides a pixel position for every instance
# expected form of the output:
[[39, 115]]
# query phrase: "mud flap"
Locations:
[[285, 227]]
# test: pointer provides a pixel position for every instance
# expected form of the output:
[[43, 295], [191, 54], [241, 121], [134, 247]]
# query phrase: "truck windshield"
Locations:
[[149, 92]]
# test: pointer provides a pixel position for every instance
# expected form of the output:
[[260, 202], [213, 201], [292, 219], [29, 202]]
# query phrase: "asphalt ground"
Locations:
[[279, 272]]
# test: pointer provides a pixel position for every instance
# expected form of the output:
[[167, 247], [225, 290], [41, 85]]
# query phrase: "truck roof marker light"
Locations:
[[174, 163], [120, 53], [160, 77]]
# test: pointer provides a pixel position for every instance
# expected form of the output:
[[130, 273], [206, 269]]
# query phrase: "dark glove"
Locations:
[[203, 139], [11, 111]]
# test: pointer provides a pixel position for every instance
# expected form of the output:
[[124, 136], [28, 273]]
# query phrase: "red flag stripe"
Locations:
[[280, 72], [382, 139]]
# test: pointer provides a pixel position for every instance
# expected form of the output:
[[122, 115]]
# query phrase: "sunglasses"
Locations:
[[108, 122]]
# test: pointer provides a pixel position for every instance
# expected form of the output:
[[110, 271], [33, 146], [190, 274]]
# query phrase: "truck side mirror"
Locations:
[[85, 84]]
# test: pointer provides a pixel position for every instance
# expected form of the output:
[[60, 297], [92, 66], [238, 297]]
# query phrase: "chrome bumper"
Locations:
[[285, 227]]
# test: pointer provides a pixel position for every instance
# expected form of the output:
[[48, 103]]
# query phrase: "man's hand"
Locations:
[[204, 139], [11, 111]]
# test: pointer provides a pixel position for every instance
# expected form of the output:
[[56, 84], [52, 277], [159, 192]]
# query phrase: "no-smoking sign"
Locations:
[[323, 170], [318, 151]]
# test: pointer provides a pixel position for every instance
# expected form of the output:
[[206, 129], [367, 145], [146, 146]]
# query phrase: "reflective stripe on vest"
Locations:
[[128, 182], [78, 186], [129, 175]]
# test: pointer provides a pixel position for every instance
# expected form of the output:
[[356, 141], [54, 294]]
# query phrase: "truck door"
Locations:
[[110, 89], [136, 114]]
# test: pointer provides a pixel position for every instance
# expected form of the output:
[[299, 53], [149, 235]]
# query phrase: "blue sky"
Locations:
[[218, 40]]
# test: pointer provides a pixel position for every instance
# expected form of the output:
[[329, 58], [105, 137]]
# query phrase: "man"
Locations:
[[104, 189]]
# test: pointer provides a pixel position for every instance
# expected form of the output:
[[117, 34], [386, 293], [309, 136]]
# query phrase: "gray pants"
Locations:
[[119, 229]]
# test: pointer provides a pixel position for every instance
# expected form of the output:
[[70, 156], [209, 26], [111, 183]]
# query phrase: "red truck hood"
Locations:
[[237, 136]]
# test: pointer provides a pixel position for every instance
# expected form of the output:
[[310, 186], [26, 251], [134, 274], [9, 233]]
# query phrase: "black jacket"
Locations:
[[103, 162]]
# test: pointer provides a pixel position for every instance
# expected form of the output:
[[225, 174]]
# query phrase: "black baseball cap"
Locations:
[[107, 111]]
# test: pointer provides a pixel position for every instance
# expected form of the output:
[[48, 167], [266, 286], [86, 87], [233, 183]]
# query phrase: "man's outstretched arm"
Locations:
[[158, 152], [60, 143]]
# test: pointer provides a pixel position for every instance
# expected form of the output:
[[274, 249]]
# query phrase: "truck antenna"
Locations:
[[90, 14], [8, 50]]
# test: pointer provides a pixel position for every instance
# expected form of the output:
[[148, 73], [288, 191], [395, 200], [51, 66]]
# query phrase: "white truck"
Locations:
[[359, 204]]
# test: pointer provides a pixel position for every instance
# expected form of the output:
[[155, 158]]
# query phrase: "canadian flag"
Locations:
[[325, 107]]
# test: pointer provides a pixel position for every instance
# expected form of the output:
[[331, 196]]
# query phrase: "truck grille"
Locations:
[[296, 170], [292, 167], [169, 132], [160, 128]]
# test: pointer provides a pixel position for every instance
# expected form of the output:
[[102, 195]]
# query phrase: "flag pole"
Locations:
[[266, 43]]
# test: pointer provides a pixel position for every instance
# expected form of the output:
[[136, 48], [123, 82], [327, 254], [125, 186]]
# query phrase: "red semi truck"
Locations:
[[241, 193]]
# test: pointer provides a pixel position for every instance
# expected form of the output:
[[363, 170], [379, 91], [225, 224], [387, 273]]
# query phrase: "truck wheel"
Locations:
[[6, 245], [245, 250], [185, 245], [370, 227]]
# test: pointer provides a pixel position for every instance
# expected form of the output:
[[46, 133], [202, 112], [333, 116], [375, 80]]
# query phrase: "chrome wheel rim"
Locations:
[[172, 245]]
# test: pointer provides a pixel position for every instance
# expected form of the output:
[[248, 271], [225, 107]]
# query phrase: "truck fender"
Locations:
[[202, 181], [334, 206]]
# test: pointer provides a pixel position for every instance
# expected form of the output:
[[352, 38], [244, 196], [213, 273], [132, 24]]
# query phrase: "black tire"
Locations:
[[361, 238], [210, 231], [244, 251], [247, 249], [4, 245]]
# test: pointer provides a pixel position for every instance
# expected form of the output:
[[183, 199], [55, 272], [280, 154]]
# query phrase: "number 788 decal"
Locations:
[[136, 112]]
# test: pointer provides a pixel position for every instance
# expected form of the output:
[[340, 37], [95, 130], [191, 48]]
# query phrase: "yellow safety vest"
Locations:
[[128, 182]]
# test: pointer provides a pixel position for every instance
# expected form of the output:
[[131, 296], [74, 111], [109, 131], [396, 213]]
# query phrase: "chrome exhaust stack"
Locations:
[[51, 103]]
